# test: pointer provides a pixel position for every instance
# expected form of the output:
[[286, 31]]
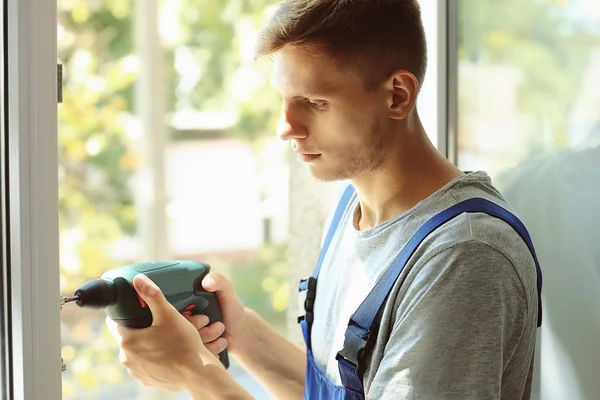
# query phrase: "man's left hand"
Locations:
[[168, 355]]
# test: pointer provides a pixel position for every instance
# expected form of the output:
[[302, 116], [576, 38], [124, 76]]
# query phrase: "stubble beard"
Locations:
[[357, 161]]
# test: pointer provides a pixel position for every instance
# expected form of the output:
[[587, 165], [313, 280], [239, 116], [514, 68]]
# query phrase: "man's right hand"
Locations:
[[278, 364], [233, 312]]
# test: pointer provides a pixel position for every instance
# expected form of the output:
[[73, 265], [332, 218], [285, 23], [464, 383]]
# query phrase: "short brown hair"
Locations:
[[377, 37]]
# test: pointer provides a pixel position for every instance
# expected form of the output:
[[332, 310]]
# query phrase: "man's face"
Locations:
[[334, 125]]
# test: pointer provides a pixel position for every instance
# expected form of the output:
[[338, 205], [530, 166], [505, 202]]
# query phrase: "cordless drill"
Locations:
[[180, 281]]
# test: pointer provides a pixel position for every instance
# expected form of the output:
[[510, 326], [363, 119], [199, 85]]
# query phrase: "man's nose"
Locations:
[[290, 125]]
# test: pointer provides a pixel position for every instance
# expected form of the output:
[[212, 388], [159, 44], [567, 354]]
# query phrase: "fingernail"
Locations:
[[145, 284], [140, 283], [208, 280], [204, 320]]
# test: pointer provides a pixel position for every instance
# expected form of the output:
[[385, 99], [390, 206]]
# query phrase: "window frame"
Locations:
[[33, 284], [4, 361], [450, 20]]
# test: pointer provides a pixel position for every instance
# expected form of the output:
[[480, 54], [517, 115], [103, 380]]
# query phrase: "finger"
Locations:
[[212, 332], [217, 346], [199, 321], [216, 281], [160, 308]]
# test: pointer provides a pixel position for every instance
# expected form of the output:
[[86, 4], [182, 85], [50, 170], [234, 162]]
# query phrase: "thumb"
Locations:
[[160, 308], [216, 282]]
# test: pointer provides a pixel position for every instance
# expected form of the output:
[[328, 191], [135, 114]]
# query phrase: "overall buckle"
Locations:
[[306, 299], [357, 342]]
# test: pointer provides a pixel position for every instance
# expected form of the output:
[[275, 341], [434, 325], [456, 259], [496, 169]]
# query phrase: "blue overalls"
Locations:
[[362, 328]]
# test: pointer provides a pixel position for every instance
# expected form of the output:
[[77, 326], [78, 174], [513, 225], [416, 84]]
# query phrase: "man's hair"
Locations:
[[375, 37]]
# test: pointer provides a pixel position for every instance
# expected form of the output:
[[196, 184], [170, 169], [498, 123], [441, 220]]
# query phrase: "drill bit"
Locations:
[[65, 300]]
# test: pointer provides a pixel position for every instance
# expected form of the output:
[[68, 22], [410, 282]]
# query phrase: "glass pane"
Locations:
[[529, 114], [224, 196], [3, 225]]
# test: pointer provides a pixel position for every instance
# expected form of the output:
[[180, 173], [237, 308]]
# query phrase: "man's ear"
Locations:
[[402, 88]]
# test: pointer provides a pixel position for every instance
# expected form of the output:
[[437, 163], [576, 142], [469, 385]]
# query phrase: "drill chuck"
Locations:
[[97, 293]]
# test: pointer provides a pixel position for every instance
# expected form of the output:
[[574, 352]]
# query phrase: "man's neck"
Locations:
[[411, 173]]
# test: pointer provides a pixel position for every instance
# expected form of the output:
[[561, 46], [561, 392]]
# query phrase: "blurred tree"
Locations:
[[525, 35], [96, 206], [214, 69], [208, 64], [262, 283]]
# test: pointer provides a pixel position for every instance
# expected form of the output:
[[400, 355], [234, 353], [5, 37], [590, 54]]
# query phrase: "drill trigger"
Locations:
[[142, 302]]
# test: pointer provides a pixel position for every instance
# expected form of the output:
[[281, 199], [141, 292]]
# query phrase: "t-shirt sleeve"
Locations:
[[459, 321]]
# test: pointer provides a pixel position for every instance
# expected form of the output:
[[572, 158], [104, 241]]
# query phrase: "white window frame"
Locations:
[[34, 338], [433, 98], [449, 18], [34, 286]]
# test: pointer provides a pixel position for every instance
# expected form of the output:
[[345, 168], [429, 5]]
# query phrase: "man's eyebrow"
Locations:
[[312, 93], [309, 94], [306, 93]]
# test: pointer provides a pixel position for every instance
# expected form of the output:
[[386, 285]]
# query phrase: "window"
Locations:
[[167, 150], [529, 114], [4, 362]]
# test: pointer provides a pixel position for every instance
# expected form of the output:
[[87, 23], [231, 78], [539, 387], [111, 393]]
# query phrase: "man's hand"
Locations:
[[234, 317], [272, 359], [167, 355]]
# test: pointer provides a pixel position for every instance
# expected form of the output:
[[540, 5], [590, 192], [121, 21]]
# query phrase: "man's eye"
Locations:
[[320, 105]]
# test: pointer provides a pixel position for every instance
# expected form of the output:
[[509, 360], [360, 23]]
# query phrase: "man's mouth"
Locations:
[[308, 157]]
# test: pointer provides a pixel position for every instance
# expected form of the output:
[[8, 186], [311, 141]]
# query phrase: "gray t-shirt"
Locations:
[[460, 323]]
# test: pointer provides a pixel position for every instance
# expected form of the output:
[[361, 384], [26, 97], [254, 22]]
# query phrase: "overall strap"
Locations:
[[339, 212], [362, 331], [308, 286]]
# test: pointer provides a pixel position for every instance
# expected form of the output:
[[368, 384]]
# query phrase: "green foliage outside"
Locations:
[[545, 40], [262, 283], [98, 158]]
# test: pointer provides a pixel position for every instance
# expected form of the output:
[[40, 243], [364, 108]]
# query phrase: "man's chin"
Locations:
[[324, 175]]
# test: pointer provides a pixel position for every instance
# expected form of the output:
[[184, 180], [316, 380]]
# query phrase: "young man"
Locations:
[[458, 317]]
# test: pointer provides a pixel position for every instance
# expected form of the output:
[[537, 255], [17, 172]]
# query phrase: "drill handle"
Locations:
[[213, 312]]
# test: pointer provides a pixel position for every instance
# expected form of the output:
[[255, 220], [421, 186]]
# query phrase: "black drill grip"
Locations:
[[213, 312]]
